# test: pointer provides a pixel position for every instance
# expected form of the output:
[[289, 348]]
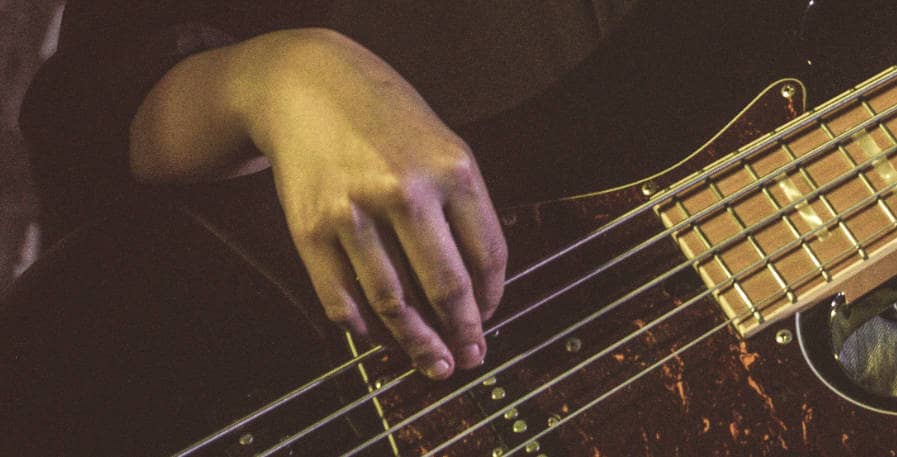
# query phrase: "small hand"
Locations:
[[386, 205]]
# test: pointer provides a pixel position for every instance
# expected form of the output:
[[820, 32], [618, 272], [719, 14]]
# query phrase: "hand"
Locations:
[[386, 205]]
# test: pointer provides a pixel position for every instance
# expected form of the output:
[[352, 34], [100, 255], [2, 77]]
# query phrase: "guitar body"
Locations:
[[154, 327], [725, 396]]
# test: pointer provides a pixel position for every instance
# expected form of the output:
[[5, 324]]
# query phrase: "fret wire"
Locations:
[[862, 176], [883, 204], [657, 280], [879, 80], [825, 201], [375, 401], [857, 92], [735, 320], [874, 83], [826, 276], [881, 125], [719, 260], [789, 293]]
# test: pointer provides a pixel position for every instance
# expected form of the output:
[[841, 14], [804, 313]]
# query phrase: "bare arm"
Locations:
[[378, 193]]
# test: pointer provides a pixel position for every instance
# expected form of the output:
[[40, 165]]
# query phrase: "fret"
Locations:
[[826, 275], [890, 136], [742, 294], [825, 201], [789, 293], [880, 98], [371, 387], [881, 125], [862, 176], [884, 210], [834, 170]]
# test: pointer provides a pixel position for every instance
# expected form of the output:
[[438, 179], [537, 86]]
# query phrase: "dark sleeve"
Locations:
[[78, 109]]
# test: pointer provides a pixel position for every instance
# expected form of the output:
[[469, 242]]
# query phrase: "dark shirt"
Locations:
[[469, 59], [111, 53], [655, 87]]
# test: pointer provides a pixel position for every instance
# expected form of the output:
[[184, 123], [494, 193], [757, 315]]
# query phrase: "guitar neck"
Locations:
[[802, 213]]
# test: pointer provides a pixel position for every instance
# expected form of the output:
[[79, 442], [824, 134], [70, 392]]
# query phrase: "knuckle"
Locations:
[[451, 293], [311, 233], [467, 329], [344, 214], [341, 315], [417, 344], [459, 169], [403, 194], [494, 258], [388, 305]]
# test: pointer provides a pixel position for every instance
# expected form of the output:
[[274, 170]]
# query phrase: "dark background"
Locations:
[[28, 32], [695, 66]]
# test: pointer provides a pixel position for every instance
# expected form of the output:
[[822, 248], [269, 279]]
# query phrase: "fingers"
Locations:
[[428, 242], [482, 244], [400, 247], [385, 281], [334, 282]]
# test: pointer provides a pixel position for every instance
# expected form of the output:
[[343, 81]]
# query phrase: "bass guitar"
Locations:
[[737, 302]]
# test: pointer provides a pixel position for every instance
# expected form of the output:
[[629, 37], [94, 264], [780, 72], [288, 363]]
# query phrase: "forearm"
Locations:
[[195, 124], [277, 94], [377, 191], [187, 127]]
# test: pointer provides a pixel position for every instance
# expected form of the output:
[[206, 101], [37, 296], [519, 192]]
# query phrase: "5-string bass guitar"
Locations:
[[729, 305]]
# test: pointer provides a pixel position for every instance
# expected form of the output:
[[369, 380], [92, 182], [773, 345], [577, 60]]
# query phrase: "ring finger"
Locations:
[[380, 267]]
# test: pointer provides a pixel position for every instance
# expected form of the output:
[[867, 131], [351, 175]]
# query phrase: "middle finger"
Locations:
[[379, 271]]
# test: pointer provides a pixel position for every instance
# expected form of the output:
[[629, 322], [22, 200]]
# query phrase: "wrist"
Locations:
[[270, 78]]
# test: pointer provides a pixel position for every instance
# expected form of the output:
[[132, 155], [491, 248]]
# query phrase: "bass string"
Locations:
[[749, 269], [722, 203], [762, 223], [668, 315], [766, 302], [358, 402], [857, 169], [349, 407], [705, 174], [636, 377], [605, 229], [284, 399]]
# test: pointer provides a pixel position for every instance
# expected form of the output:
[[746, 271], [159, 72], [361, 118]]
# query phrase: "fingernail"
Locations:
[[437, 370], [471, 355]]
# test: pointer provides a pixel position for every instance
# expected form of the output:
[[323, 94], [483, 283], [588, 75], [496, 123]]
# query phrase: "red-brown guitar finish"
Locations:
[[725, 396], [163, 322], [192, 320]]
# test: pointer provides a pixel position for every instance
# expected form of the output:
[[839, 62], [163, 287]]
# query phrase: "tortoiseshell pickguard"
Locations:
[[724, 396]]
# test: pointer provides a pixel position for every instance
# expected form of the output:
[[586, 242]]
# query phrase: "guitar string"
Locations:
[[589, 237], [858, 92], [769, 219], [284, 399], [772, 218], [725, 202], [563, 420], [769, 301], [869, 200], [405, 375], [766, 302]]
